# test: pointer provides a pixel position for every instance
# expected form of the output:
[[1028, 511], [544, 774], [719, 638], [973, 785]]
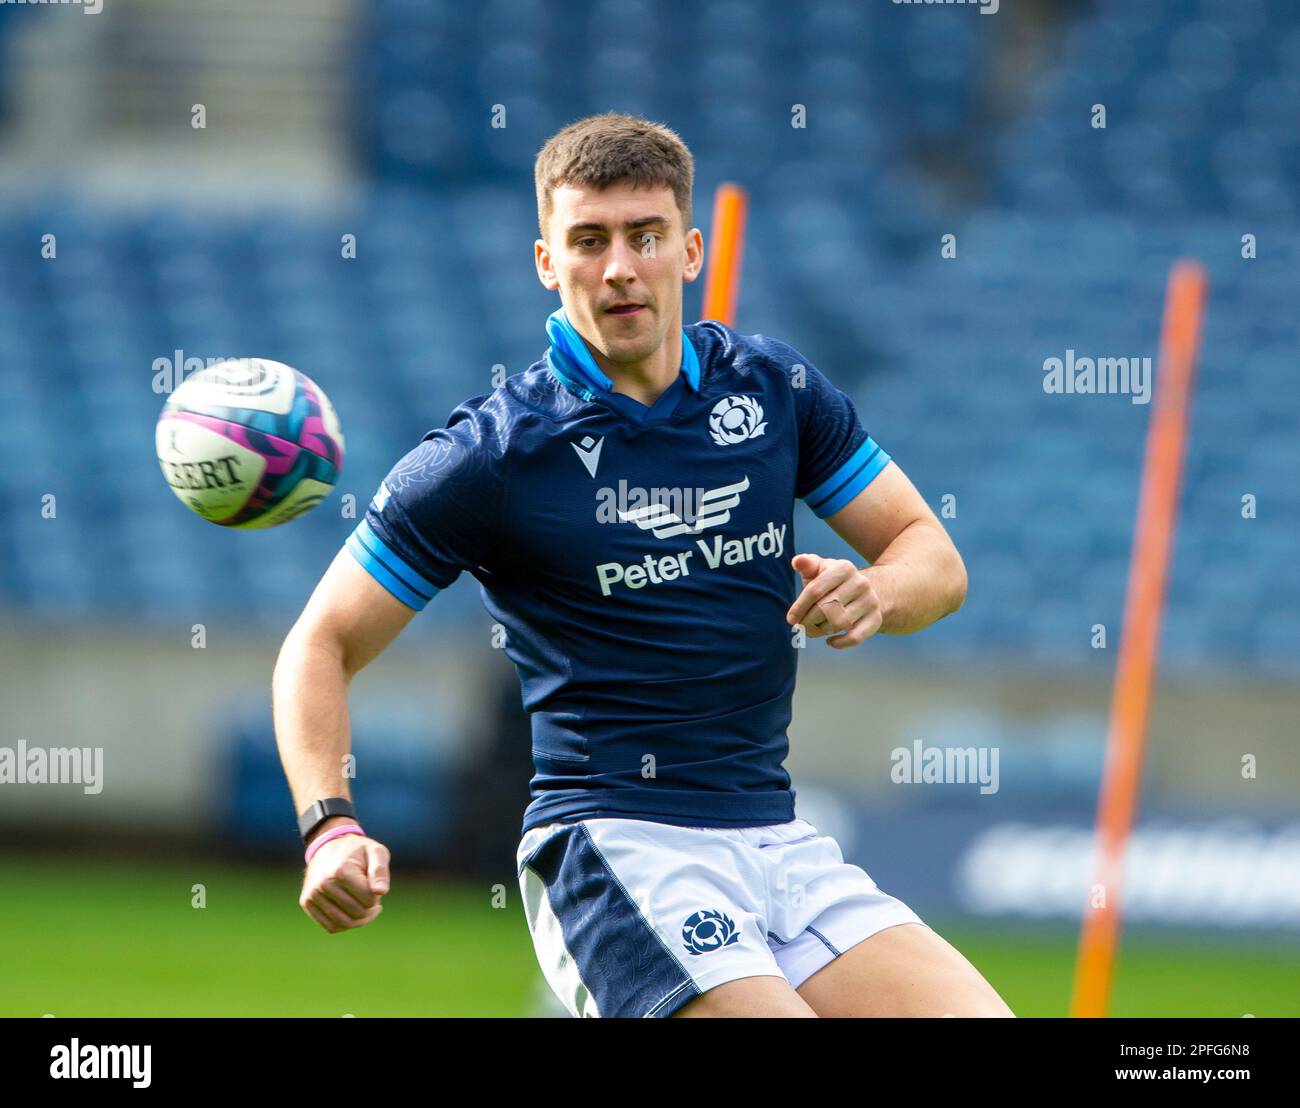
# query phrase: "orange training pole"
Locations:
[[726, 242], [1136, 666]]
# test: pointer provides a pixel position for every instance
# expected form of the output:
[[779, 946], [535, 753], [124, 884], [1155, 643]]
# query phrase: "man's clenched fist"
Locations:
[[344, 881], [838, 599]]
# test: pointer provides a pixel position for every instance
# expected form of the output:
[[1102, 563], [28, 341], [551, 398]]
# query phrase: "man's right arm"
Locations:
[[349, 620]]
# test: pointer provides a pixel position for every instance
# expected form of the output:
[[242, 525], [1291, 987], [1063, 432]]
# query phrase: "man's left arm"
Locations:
[[915, 577]]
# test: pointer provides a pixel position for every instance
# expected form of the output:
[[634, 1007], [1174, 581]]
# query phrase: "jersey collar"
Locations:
[[571, 361]]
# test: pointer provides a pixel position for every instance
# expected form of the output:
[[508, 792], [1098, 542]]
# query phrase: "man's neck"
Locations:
[[647, 380]]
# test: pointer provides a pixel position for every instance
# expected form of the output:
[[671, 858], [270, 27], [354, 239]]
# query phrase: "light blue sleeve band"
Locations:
[[386, 567], [849, 480]]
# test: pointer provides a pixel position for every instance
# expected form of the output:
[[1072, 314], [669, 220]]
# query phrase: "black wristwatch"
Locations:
[[322, 810]]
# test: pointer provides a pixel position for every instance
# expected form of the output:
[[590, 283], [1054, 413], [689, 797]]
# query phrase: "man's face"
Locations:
[[618, 257]]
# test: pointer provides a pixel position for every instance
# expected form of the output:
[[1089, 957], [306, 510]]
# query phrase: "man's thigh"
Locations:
[[906, 970], [755, 997]]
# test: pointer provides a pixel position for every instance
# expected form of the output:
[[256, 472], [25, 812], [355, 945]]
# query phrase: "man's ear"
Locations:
[[694, 255], [545, 270]]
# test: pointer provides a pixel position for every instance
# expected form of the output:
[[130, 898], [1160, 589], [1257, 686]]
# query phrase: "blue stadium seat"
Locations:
[[1064, 236]]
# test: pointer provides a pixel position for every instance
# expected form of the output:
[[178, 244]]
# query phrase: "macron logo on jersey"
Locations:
[[588, 450], [714, 510]]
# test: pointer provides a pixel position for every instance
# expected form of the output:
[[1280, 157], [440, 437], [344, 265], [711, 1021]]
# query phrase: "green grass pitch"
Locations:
[[117, 939]]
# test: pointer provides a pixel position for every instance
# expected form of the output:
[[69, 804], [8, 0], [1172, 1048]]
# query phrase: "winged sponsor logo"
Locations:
[[713, 510]]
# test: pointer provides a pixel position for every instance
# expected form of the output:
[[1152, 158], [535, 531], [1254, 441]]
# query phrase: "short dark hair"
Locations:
[[609, 149]]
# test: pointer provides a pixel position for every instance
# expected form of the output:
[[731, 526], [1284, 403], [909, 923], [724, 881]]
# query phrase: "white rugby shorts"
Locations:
[[635, 918]]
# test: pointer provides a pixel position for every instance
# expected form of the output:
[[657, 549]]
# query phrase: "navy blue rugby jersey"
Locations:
[[639, 560]]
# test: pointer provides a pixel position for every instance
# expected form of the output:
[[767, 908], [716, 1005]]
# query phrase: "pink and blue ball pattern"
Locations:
[[296, 445]]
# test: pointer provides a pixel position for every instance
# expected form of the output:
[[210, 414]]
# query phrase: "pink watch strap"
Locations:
[[332, 833]]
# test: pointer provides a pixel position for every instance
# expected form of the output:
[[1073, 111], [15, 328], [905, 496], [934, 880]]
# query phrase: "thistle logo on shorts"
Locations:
[[735, 419], [708, 930]]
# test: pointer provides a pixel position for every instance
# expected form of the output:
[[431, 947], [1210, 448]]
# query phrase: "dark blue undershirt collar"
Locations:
[[571, 361]]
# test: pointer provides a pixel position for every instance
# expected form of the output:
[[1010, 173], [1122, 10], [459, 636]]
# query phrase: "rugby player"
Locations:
[[662, 866]]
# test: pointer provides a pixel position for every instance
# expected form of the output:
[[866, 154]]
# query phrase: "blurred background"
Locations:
[[137, 245]]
